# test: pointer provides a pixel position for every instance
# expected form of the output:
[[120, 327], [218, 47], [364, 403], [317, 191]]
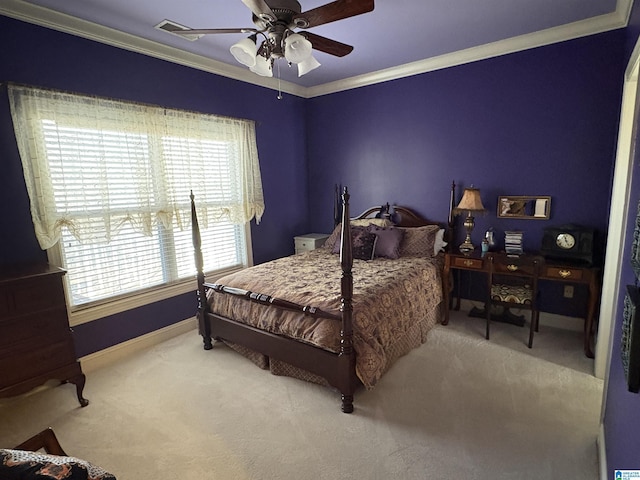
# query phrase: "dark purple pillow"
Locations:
[[354, 232], [388, 243], [363, 243]]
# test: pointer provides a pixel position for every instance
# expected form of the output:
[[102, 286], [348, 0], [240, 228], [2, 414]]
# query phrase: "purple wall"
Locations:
[[38, 56], [539, 122], [622, 412]]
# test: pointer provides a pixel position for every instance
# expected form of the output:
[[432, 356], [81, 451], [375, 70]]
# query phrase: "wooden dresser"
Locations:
[[36, 343]]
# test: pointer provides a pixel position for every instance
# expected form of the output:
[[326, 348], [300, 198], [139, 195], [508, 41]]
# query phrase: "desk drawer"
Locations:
[[472, 263], [565, 273], [514, 268]]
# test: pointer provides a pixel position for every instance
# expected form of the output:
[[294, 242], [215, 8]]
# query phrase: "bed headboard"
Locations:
[[399, 215], [406, 217]]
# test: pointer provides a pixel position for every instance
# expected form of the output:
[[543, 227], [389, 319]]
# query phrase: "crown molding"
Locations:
[[600, 24], [48, 18]]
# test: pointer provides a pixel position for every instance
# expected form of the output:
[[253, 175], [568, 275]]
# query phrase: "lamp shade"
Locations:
[[307, 65], [296, 48], [245, 51], [262, 67], [470, 201]]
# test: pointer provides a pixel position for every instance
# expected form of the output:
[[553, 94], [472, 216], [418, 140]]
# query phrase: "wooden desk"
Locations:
[[552, 270]]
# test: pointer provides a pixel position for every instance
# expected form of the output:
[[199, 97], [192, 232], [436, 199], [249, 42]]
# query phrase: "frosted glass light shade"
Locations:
[[296, 48], [262, 67], [245, 51], [306, 66]]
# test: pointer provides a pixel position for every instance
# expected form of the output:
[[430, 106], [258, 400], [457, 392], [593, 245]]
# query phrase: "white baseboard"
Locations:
[[547, 319], [602, 453], [109, 355]]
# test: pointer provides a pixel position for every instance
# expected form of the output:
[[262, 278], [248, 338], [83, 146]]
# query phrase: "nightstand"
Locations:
[[310, 241]]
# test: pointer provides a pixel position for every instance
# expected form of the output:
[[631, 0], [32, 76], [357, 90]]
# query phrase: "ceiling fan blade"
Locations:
[[260, 9], [331, 12], [205, 31], [326, 45]]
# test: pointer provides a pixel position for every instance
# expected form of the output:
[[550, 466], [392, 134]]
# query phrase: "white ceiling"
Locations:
[[398, 38]]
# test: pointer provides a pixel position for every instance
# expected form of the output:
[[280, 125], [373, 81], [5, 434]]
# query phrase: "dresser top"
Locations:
[[10, 273]]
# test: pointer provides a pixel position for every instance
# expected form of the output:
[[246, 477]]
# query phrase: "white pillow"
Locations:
[[439, 244]]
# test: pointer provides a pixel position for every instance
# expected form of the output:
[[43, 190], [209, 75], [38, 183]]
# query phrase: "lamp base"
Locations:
[[466, 248]]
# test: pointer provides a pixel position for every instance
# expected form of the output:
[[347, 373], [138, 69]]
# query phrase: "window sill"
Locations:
[[95, 312]]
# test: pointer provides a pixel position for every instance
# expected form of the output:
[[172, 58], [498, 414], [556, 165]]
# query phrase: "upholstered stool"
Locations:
[[520, 294], [513, 282]]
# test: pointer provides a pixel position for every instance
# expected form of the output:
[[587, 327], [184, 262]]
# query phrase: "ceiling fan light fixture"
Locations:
[[262, 67], [297, 48], [245, 51], [307, 65]]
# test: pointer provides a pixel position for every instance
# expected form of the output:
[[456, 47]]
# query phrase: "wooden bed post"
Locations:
[[203, 324], [337, 204], [347, 352], [451, 220]]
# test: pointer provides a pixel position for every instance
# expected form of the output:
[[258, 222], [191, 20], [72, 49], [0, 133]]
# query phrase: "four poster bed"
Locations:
[[301, 316]]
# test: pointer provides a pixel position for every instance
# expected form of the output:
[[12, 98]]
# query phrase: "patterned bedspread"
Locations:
[[395, 304]]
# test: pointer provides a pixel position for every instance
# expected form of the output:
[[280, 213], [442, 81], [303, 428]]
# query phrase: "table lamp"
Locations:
[[470, 203]]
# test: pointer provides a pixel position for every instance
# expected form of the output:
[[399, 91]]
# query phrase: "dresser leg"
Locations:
[[79, 381]]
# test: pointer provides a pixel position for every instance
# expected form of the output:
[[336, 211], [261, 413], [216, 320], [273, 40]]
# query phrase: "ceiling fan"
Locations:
[[275, 21]]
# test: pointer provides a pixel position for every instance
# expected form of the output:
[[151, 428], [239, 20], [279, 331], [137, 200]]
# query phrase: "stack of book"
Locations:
[[513, 242]]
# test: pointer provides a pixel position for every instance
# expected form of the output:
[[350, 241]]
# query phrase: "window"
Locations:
[[109, 184]]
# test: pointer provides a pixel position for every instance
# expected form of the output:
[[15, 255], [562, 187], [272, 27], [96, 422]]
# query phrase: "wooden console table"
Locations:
[[552, 270]]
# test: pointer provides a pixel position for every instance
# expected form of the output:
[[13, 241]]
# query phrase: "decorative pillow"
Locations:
[[363, 244], [364, 222], [439, 244], [419, 241], [331, 240], [354, 231], [388, 242], [25, 464]]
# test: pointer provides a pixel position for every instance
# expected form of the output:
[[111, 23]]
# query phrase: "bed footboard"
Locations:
[[268, 300], [337, 368]]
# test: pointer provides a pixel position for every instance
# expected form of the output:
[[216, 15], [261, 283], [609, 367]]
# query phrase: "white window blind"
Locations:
[[109, 186]]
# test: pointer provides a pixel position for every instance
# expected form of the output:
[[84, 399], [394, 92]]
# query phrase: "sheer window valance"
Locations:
[[94, 165]]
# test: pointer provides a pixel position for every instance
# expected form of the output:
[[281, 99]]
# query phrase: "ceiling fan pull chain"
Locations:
[[279, 89]]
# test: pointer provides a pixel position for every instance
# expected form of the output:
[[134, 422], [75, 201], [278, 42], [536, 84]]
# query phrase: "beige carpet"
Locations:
[[458, 407]]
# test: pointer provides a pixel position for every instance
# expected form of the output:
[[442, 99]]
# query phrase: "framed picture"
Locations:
[[519, 206], [630, 339], [635, 246]]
